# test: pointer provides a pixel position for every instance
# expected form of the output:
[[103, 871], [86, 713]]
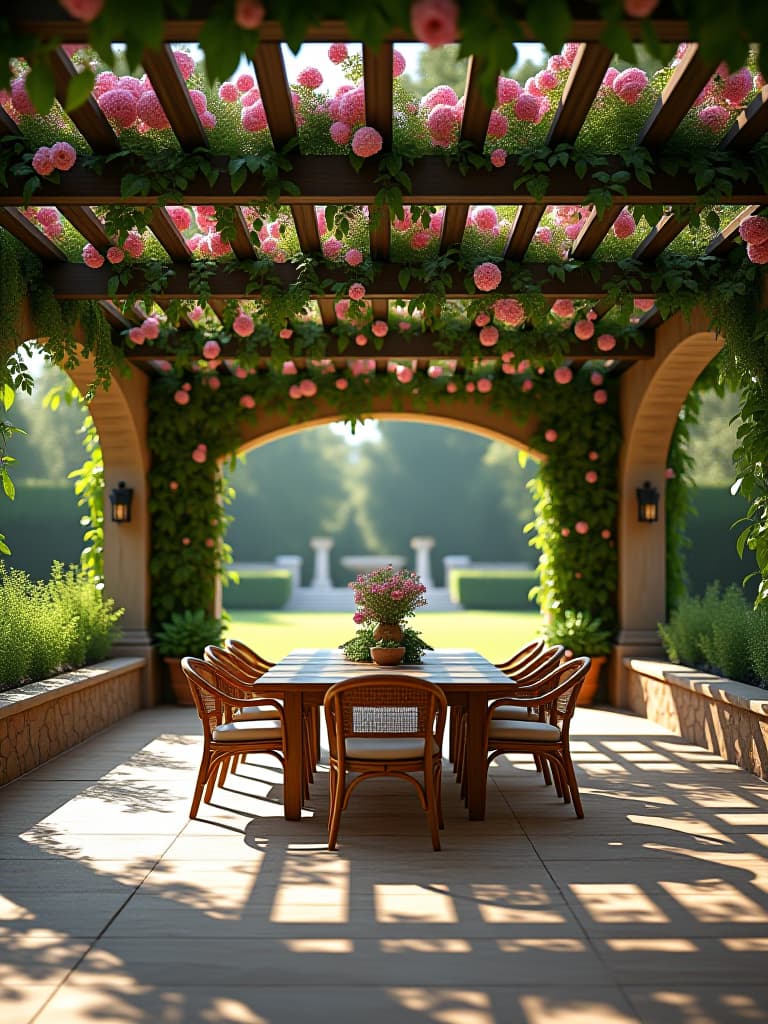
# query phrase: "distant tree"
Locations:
[[440, 66], [52, 447], [713, 440]]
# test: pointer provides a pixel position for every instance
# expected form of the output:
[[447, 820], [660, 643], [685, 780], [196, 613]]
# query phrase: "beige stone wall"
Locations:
[[43, 719], [726, 717]]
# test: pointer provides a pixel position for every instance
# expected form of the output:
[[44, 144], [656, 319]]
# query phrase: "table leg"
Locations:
[[293, 776], [477, 707]]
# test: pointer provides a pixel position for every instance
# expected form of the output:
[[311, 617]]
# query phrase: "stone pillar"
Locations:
[[450, 563], [422, 547], [321, 575], [293, 564]]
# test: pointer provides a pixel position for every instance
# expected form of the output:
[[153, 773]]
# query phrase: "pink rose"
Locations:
[[640, 8], [115, 254], [337, 53], [487, 276], [342, 383], [308, 388], [563, 375], [42, 162], [92, 257], [434, 22], [606, 342], [249, 14], [380, 328], [550, 435], [83, 10], [181, 397], [581, 527], [366, 142], [600, 397], [353, 257], [356, 291], [243, 325], [584, 329], [310, 78], [499, 157], [63, 155], [591, 476], [211, 349], [489, 335]]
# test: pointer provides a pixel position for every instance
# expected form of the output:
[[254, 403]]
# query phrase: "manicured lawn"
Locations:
[[274, 634]]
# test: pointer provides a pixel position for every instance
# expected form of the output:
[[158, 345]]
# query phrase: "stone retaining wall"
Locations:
[[726, 717], [43, 719]]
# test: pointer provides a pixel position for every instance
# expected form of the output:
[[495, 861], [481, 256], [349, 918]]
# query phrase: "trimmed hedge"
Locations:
[[265, 588], [502, 590]]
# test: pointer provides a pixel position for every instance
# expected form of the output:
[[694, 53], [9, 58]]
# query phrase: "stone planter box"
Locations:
[[726, 717], [43, 719]]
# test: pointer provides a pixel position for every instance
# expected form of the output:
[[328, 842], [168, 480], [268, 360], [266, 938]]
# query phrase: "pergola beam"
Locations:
[[88, 117], [331, 179], [171, 89], [403, 347], [75, 281]]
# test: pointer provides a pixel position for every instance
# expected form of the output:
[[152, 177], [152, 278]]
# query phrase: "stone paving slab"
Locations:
[[114, 907]]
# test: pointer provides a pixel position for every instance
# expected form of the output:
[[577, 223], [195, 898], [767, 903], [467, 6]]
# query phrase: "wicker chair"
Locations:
[[388, 725], [227, 731], [238, 675], [524, 675], [247, 654], [544, 728], [522, 656]]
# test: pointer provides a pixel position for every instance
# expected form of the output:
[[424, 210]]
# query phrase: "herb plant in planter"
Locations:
[[185, 634], [582, 634]]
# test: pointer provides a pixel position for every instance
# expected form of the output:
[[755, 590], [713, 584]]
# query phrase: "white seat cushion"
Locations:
[[386, 748], [511, 711], [255, 715], [528, 731], [236, 732]]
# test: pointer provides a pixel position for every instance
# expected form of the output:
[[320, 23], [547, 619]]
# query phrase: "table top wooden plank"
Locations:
[[455, 670]]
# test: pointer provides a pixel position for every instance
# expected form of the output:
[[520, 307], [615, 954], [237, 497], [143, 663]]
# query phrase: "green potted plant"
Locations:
[[582, 634], [387, 652], [184, 634]]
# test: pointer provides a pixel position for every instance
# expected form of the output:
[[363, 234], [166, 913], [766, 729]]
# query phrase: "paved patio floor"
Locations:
[[115, 907]]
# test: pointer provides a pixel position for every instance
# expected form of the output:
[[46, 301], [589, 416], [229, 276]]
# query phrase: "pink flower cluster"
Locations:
[[59, 157], [387, 595], [487, 276], [47, 218], [129, 102], [722, 95], [754, 231], [434, 22], [133, 246]]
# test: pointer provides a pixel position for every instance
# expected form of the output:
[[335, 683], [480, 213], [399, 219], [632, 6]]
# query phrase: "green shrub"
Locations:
[[719, 632], [579, 632], [267, 588], [757, 642], [725, 644], [493, 589], [48, 627], [188, 633]]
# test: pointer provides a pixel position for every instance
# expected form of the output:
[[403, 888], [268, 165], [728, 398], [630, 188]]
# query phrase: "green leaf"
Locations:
[[41, 86], [79, 89], [10, 490], [220, 42], [551, 22]]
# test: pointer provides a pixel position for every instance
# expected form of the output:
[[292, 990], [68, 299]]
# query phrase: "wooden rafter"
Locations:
[[114, 317], [728, 236], [275, 93], [74, 281], [585, 78], [409, 346], [170, 88], [168, 235], [377, 75], [52, 23], [474, 128], [88, 117], [84, 220], [17, 224], [676, 99], [331, 179], [750, 126]]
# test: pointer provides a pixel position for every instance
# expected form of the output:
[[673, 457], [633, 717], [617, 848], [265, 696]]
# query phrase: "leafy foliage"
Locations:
[[359, 647], [47, 627], [187, 633]]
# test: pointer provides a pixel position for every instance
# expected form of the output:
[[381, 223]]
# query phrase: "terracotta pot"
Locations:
[[387, 655], [179, 685], [591, 682], [388, 631]]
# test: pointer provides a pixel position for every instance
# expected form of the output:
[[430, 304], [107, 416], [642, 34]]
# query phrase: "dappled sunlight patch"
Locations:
[[618, 904], [395, 904]]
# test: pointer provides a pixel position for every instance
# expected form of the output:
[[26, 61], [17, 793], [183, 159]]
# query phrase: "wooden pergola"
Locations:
[[676, 349]]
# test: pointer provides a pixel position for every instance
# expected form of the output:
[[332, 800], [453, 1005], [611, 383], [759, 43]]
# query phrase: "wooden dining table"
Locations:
[[302, 678]]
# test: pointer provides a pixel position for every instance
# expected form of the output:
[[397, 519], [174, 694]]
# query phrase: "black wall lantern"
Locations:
[[121, 498], [647, 503]]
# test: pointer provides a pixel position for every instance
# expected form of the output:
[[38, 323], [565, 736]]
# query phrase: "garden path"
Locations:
[[653, 909]]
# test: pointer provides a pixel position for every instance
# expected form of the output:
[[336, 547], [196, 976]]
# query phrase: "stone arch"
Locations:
[[494, 424], [651, 394], [120, 415]]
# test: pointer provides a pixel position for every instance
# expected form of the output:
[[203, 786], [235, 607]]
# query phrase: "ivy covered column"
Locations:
[[651, 395], [120, 417]]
